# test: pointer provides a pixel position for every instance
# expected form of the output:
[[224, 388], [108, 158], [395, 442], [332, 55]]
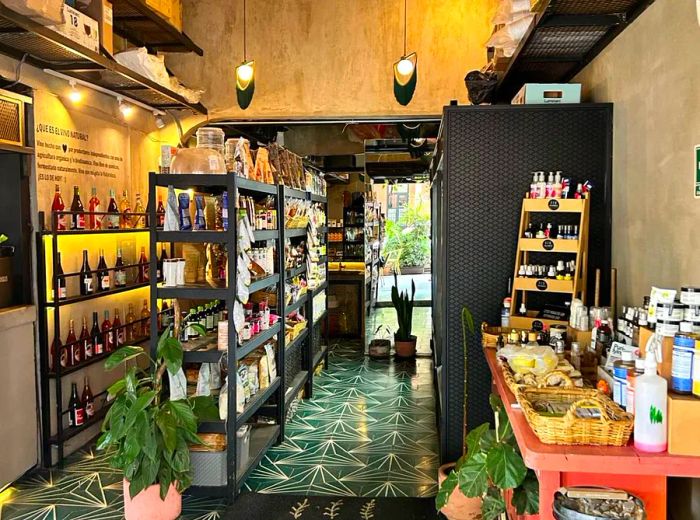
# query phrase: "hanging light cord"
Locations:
[[245, 54], [405, 25]]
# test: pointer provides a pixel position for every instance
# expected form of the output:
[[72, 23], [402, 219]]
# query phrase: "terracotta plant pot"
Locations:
[[147, 505], [459, 506], [405, 349]]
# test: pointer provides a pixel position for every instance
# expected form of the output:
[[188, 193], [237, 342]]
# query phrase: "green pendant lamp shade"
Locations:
[[405, 78], [245, 83]]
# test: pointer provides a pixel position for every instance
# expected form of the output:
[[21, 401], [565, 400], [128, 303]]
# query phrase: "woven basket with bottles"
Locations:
[[490, 334], [575, 416]]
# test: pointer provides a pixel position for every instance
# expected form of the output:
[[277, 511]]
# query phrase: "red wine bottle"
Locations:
[[61, 280], [119, 271], [97, 337], [78, 211], [86, 340], [76, 412], [143, 267], [108, 334], [119, 332], [75, 354], [88, 401], [56, 345], [86, 286], [102, 273], [58, 205]]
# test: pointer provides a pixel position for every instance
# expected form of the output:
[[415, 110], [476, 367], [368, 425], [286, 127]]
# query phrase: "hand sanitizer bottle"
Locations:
[[533, 186], [557, 186], [549, 187], [541, 186], [650, 417]]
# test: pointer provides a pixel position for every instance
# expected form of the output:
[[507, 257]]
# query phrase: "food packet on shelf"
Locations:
[[538, 360]]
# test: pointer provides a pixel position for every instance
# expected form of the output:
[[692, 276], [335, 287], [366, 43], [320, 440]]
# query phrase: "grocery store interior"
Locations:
[[349, 260]]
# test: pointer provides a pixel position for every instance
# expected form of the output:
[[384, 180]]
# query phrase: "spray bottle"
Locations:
[[650, 406]]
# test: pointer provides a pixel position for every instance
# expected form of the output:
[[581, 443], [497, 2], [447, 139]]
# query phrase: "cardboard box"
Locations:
[[667, 352], [79, 28], [171, 10], [101, 10], [683, 420], [548, 94]]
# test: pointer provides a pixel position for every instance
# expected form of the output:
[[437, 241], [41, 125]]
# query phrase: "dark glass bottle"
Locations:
[[112, 221], [86, 286], [102, 273], [75, 350], [143, 267], [61, 280], [119, 331], [58, 205], [107, 334], [76, 412], [88, 401], [86, 340], [119, 271], [160, 213], [56, 345], [98, 343], [78, 211], [161, 260]]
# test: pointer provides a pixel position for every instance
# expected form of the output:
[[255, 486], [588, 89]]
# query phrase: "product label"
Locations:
[[110, 341], [87, 282], [79, 221], [60, 223], [120, 278], [541, 285], [87, 345], [79, 417], [99, 346], [548, 245], [104, 282], [120, 336], [553, 204], [90, 409], [682, 369], [76, 354], [64, 358]]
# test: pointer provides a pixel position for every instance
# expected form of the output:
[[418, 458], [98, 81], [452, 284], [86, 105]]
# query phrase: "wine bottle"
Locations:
[[75, 354], [119, 271], [60, 280], [111, 221], [107, 334], [119, 332], [86, 340], [160, 213], [56, 345], [94, 221], [145, 319], [164, 316], [102, 273], [88, 401], [130, 319], [143, 267], [76, 412], [78, 211], [125, 211], [98, 344], [58, 205], [159, 264], [85, 276], [138, 221]]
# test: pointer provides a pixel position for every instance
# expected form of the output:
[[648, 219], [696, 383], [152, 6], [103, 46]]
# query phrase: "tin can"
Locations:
[[690, 295]]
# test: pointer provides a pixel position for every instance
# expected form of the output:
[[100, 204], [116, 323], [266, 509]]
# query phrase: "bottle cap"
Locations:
[[639, 364]]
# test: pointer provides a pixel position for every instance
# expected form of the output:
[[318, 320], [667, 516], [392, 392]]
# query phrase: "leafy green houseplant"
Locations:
[[147, 435], [404, 341], [491, 465]]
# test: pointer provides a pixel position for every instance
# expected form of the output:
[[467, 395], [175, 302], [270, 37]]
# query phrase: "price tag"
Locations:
[[547, 245], [541, 285], [553, 204]]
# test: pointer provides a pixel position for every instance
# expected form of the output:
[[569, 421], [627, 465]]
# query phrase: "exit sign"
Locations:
[[697, 172]]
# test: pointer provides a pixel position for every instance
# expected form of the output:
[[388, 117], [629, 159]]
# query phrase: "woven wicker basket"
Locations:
[[546, 381], [612, 428], [490, 334]]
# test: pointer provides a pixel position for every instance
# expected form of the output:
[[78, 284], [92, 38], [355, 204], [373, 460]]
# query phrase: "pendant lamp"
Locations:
[[405, 70], [245, 73]]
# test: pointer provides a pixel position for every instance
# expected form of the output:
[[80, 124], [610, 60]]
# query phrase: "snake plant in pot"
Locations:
[[147, 435], [404, 341]]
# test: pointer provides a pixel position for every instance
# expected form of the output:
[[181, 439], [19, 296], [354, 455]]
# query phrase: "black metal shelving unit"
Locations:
[[320, 327], [50, 50], [262, 435], [52, 373]]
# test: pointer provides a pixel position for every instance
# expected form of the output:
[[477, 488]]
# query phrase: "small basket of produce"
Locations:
[[560, 378], [575, 416]]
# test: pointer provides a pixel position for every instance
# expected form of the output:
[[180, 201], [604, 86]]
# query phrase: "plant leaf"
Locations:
[[474, 438], [492, 507], [467, 319], [105, 440], [204, 407], [488, 441], [121, 356], [171, 352], [139, 406], [116, 388], [446, 489], [495, 402], [168, 428], [183, 413], [526, 497], [505, 467], [473, 478]]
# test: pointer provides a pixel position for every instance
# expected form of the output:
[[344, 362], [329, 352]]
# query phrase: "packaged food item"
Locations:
[[200, 222], [184, 211], [536, 359], [223, 400], [172, 221]]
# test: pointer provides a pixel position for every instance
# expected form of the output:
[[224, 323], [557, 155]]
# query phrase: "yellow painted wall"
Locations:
[[333, 57], [651, 72]]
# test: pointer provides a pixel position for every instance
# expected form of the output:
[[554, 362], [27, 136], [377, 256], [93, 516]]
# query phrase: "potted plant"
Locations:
[[490, 470], [148, 435], [380, 348], [404, 341], [474, 486]]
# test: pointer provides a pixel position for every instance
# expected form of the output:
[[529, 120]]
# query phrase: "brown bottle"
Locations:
[[75, 348], [78, 211], [56, 345], [88, 401], [119, 332], [130, 320], [143, 267], [86, 340], [76, 412], [145, 320]]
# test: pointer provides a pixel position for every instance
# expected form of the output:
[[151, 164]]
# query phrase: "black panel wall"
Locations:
[[489, 153]]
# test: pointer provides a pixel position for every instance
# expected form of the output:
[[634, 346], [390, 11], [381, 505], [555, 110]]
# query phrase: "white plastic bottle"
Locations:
[[650, 407]]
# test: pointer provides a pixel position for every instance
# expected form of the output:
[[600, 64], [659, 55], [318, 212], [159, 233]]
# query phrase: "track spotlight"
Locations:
[[125, 108], [74, 95]]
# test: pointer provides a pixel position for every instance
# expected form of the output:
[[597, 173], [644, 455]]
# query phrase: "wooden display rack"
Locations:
[[576, 287]]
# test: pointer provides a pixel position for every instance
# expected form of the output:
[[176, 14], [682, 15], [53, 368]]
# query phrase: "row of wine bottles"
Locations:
[[104, 338], [82, 408], [107, 278], [117, 217]]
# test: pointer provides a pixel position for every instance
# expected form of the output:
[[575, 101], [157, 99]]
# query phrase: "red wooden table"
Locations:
[[643, 474]]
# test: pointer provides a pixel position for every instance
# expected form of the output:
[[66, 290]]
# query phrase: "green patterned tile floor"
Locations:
[[369, 431]]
